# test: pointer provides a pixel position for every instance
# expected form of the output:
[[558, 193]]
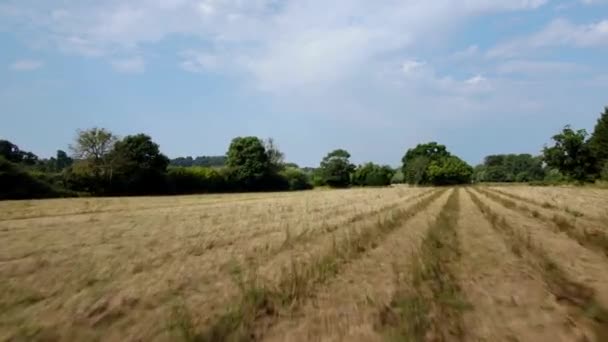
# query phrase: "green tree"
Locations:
[[296, 178], [336, 169], [415, 171], [248, 162], [139, 167], [604, 173], [417, 160], [63, 160], [93, 146], [12, 153], [370, 174], [449, 171], [275, 156], [599, 139], [571, 155]]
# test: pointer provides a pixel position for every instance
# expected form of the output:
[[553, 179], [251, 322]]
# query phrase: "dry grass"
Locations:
[[91, 266], [587, 233], [229, 267], [433, 310], [580, 296]]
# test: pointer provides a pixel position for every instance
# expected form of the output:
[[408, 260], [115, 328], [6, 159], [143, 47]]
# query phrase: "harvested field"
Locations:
[[411, 264]]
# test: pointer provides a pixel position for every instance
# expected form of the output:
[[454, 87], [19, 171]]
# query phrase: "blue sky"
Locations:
[[373, 77]]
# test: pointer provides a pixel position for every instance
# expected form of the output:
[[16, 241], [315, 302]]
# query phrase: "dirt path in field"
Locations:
[[576, 276], [510, 300], [347, 307]]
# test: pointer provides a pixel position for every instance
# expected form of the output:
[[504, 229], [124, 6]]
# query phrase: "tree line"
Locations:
[[575, 156], [102, 164]]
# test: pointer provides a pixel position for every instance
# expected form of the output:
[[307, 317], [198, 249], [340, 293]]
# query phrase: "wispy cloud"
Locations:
[[26, 65], [558, 33], [196, 61]]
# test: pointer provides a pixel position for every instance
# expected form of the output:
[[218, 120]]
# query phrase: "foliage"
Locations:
[[275, 156], [138, 166], [206, 161], [296, 179], [248, 162], [12, 153], [449, 171], [433, 164], [571, 155], [371, 174], [510, 168], [398, 177], [17, 183], [195, 179], [604, 173], [94, 145], [336, 168], [415, 171], [598, 143]]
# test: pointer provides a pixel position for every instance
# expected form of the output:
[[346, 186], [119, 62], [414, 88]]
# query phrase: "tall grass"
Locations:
[[577, 295], [261, 302], [432, 308]]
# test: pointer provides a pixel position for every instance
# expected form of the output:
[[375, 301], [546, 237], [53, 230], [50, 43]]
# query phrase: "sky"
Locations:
[[373, 77]]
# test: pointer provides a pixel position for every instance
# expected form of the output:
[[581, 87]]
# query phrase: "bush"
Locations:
[[604, 172], [195, 179], [449, 171], [296, 179], [372, 175], [398, 177], [17, 183]]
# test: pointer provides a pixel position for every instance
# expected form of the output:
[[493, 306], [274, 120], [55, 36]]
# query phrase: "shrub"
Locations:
[[296, 179], [372, 175], [195, 179], [604, 173], [449, 171], [17, 183]]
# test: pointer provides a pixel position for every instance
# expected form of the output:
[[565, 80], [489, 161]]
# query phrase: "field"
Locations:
[[492, 263]]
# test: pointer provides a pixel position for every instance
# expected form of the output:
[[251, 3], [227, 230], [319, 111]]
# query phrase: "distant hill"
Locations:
[[207, 161]]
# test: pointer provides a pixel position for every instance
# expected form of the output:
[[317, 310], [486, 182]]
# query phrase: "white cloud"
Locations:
[[281, 44], [475, 80], [194, 61], [129, 65], [559, 32], [26, 65], [411, 65], [531, 67]]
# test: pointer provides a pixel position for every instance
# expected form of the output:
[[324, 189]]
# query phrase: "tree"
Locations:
[[336, 168], [433, 164], [417, 160], [599, 139], [248, 162], [415, 170], [370, 174], [63, 160], [449, 171], [17, 183], [139, 167], [604, 172], [510, 168], [93, 146], [296, 178], [571, 155], [275, 156], [433, 151], [12, 153]]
